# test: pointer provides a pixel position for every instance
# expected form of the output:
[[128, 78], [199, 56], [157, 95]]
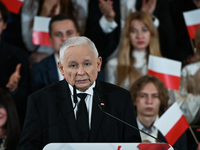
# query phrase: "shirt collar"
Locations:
[[88, 91], [143, 128]]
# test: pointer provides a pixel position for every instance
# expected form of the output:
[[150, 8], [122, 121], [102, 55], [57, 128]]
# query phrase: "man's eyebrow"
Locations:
[[72, 61], [87, 60]]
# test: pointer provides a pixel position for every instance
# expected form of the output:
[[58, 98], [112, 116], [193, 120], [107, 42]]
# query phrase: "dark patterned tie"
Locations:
[[82, 118]]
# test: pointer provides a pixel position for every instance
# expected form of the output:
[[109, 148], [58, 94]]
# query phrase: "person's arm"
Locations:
[[107, 21], [13, 82], [107, 42], [28, 12], [32, 126], [50, 8]]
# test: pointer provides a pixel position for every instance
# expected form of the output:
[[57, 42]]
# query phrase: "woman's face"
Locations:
[[139, 36], [3, 116]]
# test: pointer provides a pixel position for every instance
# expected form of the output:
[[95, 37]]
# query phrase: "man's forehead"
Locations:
[[78, 60]]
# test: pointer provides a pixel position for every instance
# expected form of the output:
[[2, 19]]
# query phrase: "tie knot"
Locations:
[[82, 96]]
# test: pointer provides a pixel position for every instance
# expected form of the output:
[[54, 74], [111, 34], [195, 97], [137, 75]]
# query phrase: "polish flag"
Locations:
[[167, 70], [172, 124], [192, 21], [40, 31], [13, 5]]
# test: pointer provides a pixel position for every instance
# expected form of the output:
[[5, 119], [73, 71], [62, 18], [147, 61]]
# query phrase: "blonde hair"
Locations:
[[125, 66], [197, 43]]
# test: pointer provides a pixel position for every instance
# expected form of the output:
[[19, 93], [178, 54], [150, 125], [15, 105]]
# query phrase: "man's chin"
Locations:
[[82, 88]]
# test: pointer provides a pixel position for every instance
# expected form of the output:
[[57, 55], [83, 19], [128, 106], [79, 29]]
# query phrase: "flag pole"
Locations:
[[195, 138]]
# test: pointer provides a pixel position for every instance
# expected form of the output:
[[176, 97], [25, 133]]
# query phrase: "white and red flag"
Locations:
[[167, 70], [172, 124], [41, 31], [192, 21], [13, 6]]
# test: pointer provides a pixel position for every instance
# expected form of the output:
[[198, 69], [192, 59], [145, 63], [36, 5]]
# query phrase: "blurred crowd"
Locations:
[[125, 33]]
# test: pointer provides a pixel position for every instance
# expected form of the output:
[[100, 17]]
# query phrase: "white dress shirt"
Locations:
[[153, 131], [88, 100]]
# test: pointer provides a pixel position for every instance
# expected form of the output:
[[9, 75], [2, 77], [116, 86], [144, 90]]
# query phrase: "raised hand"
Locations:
[[12, 84], [106, 8], [50, 8], [149, 6]]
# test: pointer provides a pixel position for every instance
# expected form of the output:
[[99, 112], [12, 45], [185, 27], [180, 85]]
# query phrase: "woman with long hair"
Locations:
[[9, 122], [139, 39]]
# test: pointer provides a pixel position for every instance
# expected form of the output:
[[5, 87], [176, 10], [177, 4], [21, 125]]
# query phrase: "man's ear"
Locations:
[[60, 66], [99, 62]]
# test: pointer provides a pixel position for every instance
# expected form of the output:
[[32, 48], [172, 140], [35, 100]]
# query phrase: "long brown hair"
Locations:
[[12, 126], [125, 66]]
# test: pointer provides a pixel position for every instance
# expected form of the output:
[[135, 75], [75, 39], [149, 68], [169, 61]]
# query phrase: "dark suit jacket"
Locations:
[[47, 105], [181, 143], [44, 73], [107, 43], [10, 56]]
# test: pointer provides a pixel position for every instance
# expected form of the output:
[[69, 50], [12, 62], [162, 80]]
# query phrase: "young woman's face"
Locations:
[[3, 116], [139, 36]]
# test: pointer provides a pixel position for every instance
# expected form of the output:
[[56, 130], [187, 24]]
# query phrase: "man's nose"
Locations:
[[65, 37], [149, 100], [81, 70]]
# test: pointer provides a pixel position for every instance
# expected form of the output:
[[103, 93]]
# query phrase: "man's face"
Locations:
[[2, 24], [80, 66], [148, 102], [60, 32]]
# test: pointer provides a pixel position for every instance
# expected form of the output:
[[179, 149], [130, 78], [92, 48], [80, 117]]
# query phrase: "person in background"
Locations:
[[139, 40], [9, 122], [79, 64], [46, 72], [106, 19], [188, 95], [43, 8], [14, 69], [150, 98], [177, 7]]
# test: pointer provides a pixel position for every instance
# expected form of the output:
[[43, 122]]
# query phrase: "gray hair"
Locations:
[[77, 41]]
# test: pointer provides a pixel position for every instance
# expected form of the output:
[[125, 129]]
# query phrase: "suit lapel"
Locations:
[[97, 114], [52, 71], [65, 105], [161, 137]]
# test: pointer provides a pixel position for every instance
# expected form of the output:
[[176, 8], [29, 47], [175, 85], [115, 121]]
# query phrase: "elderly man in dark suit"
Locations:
[[79, 64]]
